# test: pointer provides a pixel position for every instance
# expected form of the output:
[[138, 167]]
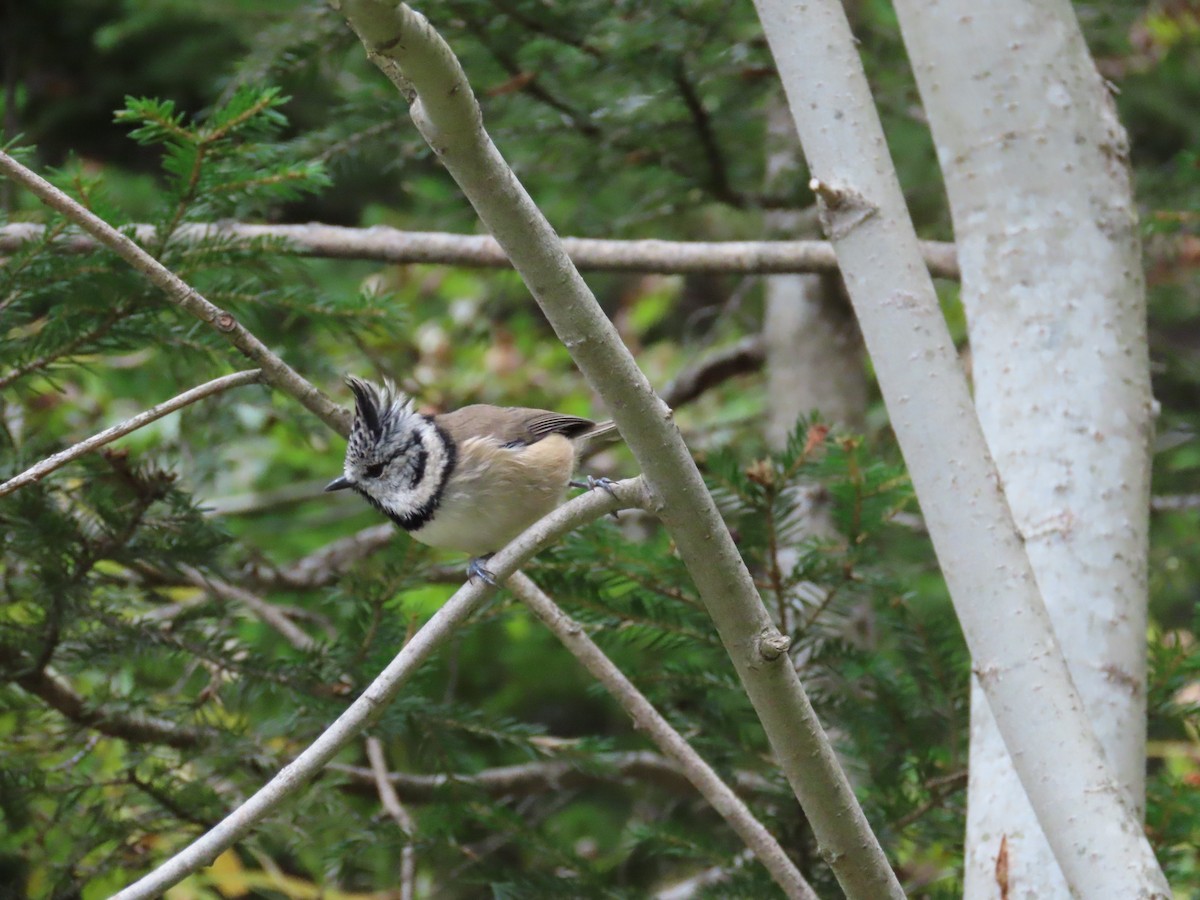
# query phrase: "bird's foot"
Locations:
[[477, 569], [605, 484]]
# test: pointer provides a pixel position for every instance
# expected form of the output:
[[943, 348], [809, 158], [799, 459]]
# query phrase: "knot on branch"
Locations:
[[772, 644], [225, 322], [840, 209]]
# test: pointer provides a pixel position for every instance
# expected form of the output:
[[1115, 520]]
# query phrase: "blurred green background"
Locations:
[[626, 120]]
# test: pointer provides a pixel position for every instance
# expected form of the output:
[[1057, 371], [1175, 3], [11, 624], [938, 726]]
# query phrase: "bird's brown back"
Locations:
[[510, 424]]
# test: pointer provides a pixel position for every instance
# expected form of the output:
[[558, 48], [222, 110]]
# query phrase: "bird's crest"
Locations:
[[382, 413]]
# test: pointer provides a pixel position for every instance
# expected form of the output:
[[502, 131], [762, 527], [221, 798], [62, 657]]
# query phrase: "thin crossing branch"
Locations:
[[39, 471], [272, 615], [651, 722], [381, 243], [401, 816], [742, 358], [542, 776], [275, 371]]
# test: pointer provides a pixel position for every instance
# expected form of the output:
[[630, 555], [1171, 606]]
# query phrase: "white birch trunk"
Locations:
[[814, 349], [1088, 817], [1037, 176]]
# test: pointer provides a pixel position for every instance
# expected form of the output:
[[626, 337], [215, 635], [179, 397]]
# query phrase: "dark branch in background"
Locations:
[[166, 801], [531, 812], [742, 358], [322, 567], [390, 245], [522, 80], [58, 694], [717, 185], [58, 460], [939, 789], [275, 371], [542, 27], [718, 170]]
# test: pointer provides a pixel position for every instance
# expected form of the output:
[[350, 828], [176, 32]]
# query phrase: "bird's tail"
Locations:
[[600, 434]]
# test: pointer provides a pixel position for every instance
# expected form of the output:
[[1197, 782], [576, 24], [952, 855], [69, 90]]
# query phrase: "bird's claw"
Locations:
[[605, 484], [477, 569]]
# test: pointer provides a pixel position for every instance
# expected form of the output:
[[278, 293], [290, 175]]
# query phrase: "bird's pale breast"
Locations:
[[497, 492]]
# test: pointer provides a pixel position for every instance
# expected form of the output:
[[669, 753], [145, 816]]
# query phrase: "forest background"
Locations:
[[165, 558]]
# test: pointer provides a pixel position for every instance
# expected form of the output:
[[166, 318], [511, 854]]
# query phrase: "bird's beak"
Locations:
[[338, 484]]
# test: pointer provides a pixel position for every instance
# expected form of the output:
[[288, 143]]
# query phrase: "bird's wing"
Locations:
[[510, 424], [541, 423]]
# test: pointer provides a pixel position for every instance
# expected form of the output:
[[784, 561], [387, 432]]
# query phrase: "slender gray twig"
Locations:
[[544, 775], [322, 566], [391, 245], [380, 692], [401, 816], [39, 471], [689, 887], [262, 501], [746, 356], [410, 52], [275, 371], [267, 612], [1175, 502], [651, 722]]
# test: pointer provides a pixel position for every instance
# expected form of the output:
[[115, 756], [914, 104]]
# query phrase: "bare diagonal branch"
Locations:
[[58, 460], [407, 49], [651, 722], [394, 808], [267, 612], [275, 371], [380, 692]]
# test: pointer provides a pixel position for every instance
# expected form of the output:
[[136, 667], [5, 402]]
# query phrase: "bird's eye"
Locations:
[[374, 471]]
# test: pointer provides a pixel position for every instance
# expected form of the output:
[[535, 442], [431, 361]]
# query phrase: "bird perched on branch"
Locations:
[[469, 480]]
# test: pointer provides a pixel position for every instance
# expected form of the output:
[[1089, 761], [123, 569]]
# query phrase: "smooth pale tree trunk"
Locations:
[[814, 349], [814, 362], [1035, 164], [1089, 818]]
